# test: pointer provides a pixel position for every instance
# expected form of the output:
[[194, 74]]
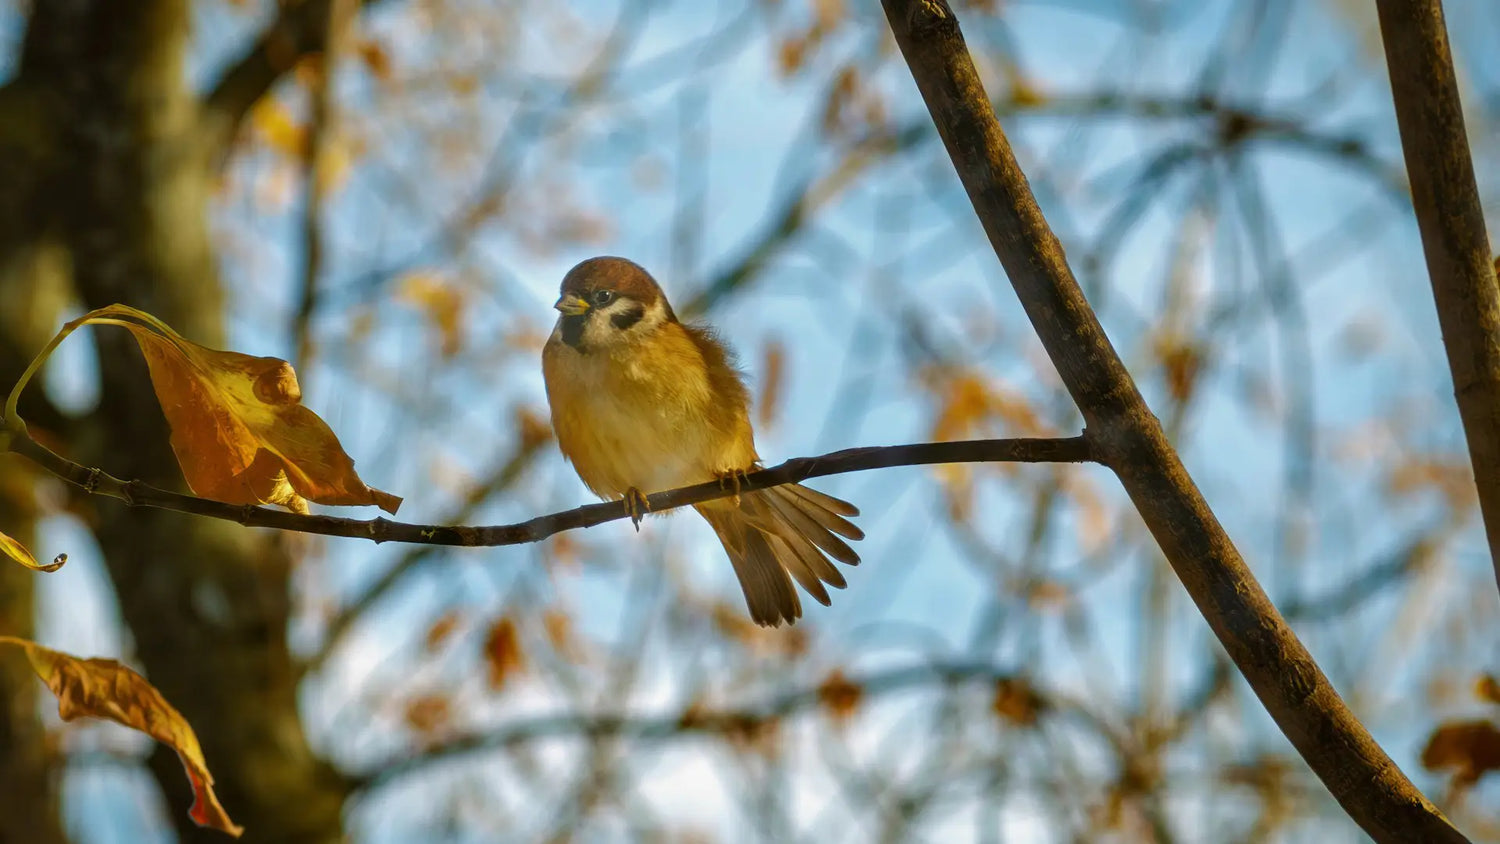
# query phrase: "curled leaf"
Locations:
[[9, 547], [239, 430], [103, 688]]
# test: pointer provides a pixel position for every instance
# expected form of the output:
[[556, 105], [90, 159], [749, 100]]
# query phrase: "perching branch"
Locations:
[[137, 494], [1129, 439], [1446, 199]]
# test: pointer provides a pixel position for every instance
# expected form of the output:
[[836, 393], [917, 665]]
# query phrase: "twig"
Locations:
[[340, 625], [1129, 439], [736, 723], [321, 130], [1446, 199], [137, 494], [300, 29]]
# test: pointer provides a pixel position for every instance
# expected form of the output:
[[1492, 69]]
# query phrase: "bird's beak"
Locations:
[[572, 305]]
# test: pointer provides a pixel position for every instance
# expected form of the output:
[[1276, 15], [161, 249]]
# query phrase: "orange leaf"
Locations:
[[839, 695], [441, 629], [103, 688], [1470, 747], [502, 652], [16, 551], [239, 430]]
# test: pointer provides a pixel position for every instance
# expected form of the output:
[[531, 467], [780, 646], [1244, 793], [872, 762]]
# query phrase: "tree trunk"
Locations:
[[121, 185]]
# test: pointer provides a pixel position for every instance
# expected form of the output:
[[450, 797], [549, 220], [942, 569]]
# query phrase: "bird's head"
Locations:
[[608, 302]]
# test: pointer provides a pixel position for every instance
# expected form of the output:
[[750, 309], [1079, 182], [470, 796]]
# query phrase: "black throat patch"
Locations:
[[572, 330]]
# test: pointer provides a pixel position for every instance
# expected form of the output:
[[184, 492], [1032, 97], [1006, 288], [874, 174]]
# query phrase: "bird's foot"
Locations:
[[732, 478], [636, 506]]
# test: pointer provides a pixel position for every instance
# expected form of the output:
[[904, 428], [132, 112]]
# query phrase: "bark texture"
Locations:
[[109, 161]]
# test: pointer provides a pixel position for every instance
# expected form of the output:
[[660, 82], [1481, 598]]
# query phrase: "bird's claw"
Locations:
[[636, 506], [732, 478]]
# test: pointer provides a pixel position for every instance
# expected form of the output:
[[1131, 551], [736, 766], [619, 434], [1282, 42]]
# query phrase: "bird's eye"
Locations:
[[603, 297]]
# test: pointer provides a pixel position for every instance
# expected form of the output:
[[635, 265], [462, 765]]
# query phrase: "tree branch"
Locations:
[[1451, 219], [737, 723], [1130, 440], [137, 494], [299, 29]]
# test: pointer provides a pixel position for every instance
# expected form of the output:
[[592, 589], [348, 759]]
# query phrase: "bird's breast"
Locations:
[[638, 417]]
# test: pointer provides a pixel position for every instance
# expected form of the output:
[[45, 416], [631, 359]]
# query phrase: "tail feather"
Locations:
[[824, 509], [781, 533]]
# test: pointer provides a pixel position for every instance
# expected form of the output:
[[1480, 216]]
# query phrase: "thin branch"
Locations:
[[502, 478], [742, 723], [321, 130], [137, 494], [1130, 440], [1451, 219], [299, 29]]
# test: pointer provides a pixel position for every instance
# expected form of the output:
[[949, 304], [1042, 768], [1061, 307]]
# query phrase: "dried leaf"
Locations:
[[103, 688], [239, 430], [839, 695], [375, 58], [502, 652], [273, 122], [772, 375], [1487, 688], [1470, 748], [428, 714], [1017, 702], [443, 305], [441, 629], [9, 547]]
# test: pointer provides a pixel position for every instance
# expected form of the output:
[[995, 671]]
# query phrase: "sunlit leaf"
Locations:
[[9, 547], [274, 124], [103, 688], [239, 430], [442, 303]]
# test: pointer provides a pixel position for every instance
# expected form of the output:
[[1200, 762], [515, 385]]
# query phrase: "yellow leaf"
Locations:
[[16, 551], [443, 305], [273, 121], [103, 688], [239, 430]]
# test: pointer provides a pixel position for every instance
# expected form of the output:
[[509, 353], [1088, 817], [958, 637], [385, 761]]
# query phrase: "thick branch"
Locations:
[[1130, 440], [1446, 199], [137, 494]]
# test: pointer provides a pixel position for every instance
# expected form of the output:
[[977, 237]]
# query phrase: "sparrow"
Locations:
[[642, 402]]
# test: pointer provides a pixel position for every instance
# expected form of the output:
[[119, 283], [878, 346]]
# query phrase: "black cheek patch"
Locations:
[[624, 319], [572, 330]]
